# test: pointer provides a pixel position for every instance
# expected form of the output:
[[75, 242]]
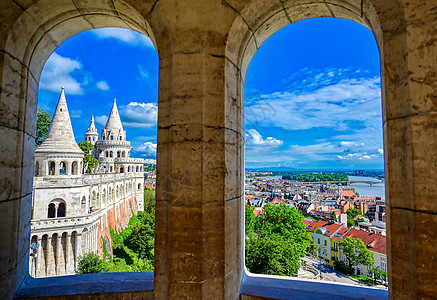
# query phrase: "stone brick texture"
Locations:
[[205, 48]]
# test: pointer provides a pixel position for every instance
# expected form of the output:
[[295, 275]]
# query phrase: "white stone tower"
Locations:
[[59, 154], [91, 134], [112, 149]]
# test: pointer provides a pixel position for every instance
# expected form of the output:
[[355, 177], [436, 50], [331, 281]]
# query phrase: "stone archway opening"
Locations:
[[46, 29], [302, 113], [253, 28]]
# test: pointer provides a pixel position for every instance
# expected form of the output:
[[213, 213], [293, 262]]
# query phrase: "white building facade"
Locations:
[[72, 211]]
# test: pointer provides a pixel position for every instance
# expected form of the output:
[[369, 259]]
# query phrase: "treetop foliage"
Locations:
[[356, 252], [276, 240], [43, 120], [90, 263], [88, 159]]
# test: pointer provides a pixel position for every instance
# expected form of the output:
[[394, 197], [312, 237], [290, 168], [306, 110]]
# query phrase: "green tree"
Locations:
[[379, 273], [250, 220], [88, 158], [142, 238], [43, 120], [353, 212], [90, 263], [149, 198], [350, 223], [356, 252], [334, 216], [278, 241]]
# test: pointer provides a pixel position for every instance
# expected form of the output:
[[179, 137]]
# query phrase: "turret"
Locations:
[[59, 154], [112, 149], [91, 134], [113, 130]]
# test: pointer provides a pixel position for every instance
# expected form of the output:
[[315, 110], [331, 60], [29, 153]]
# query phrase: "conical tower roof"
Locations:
[[92, 128], [60, 138], [114, 123]]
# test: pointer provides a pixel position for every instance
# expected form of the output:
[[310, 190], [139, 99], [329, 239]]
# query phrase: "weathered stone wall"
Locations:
[[205, 48]]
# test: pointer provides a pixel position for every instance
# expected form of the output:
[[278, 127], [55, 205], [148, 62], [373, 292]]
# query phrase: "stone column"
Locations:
[[50, 257], [78, 251], [199, 205], [57, 255], [67, 253], [38, 258], [410, 140]]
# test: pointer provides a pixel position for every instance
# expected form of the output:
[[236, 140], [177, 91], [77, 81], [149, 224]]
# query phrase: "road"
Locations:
[[331, 274]]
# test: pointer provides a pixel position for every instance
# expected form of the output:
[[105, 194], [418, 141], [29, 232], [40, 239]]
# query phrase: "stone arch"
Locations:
[[139, 186], [256, 22], [111, 154], [106, 153], [244, 40], [123, 154]]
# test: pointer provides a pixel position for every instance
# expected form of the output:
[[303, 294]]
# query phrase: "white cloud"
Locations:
[[350, 144], [143, 72], [102, 85], [130, 37], [366, 157], [102, 120], [139, 115], [58, 72], [348, 156], [76, 114], [150, 161], [147, 148], [255, 140], [381, 151], [341, 102]]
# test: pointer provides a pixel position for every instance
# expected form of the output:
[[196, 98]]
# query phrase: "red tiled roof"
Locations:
[[348, 193], [258, 211], [341, 231], [377, 242]]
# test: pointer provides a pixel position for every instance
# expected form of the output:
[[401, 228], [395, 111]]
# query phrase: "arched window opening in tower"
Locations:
[[314, 178], [62, 210], [63, 168], [52, 168], [74, 168], [87, 160], [51, 211]]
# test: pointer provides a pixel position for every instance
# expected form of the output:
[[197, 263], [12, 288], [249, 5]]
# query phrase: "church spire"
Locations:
[[91, 134], [92, 127], [114, 123], [60, 137]]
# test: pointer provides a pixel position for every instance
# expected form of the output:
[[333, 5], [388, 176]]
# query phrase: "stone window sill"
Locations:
[[85, 284], [280, 287]]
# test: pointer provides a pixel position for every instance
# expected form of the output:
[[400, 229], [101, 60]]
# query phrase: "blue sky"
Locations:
[[97, 66], [312, 97]]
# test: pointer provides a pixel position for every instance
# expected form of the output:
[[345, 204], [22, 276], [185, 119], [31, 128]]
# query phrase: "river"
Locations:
[[378, 190]]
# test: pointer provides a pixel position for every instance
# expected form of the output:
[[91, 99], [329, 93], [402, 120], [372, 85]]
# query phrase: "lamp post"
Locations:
[[34, 254]]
